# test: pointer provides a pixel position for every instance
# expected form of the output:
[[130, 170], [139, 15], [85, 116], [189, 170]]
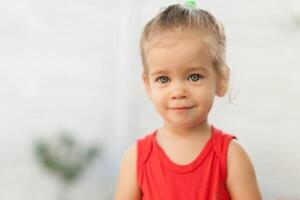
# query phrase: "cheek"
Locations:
[[159, 102], [158, 97], [206, 97]]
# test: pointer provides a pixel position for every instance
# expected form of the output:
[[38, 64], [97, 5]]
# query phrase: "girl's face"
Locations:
[[181, 81]]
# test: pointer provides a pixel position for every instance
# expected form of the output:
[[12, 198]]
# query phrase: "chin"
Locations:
[[183, 124]]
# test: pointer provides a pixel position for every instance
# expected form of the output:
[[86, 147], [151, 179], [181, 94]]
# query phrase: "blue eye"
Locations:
[[163, 79], [195, 77]]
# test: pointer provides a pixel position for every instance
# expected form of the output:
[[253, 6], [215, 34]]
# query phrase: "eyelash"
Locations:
[[199, 76]]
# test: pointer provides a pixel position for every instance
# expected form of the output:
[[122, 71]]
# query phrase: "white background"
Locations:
[[74, 65]]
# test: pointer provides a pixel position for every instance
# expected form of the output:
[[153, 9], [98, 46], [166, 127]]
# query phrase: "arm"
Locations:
[[241, 178], [127, 186]]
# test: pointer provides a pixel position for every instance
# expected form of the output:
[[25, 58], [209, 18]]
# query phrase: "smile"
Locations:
[[181, 109]]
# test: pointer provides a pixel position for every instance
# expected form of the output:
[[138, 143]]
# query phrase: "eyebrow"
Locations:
[[158, 72], [196, 69], [187, 70]]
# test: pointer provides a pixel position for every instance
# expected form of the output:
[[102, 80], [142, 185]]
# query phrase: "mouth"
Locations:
[[181, 108]]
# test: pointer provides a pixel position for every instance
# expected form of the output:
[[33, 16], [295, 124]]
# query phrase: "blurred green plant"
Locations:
[[65, 158]]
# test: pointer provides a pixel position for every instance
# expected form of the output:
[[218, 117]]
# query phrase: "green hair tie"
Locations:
[[191, 4]]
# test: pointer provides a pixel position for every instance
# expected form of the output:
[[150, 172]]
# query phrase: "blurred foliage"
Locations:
[[64, 156]]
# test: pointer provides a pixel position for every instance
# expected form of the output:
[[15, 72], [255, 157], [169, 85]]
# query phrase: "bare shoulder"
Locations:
[[241, 178], [127, 185], [130, 156]]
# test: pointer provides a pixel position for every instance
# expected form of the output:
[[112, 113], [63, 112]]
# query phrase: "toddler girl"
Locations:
[[183, 54]]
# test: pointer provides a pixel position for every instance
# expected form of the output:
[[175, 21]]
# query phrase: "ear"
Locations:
[[146, 84], [222, 88], [222, 85]]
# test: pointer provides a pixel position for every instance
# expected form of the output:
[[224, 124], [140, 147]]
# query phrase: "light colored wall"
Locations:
[[74, 65]]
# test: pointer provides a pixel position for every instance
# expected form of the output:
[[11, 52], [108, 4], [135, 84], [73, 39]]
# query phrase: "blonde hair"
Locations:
[[179, 17]]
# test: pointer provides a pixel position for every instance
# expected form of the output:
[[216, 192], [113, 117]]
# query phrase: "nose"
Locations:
[[178, 91]]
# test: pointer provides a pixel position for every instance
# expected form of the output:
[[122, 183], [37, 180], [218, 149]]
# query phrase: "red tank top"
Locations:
[[203, 179]]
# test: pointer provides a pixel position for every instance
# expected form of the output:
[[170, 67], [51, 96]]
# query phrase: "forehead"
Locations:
[[170, 37], [177, 50]]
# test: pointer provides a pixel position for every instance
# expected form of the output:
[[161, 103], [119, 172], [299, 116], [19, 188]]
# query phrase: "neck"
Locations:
[[177, 132]]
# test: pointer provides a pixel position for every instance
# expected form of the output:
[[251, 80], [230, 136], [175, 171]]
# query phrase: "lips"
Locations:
[[181, 108]]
